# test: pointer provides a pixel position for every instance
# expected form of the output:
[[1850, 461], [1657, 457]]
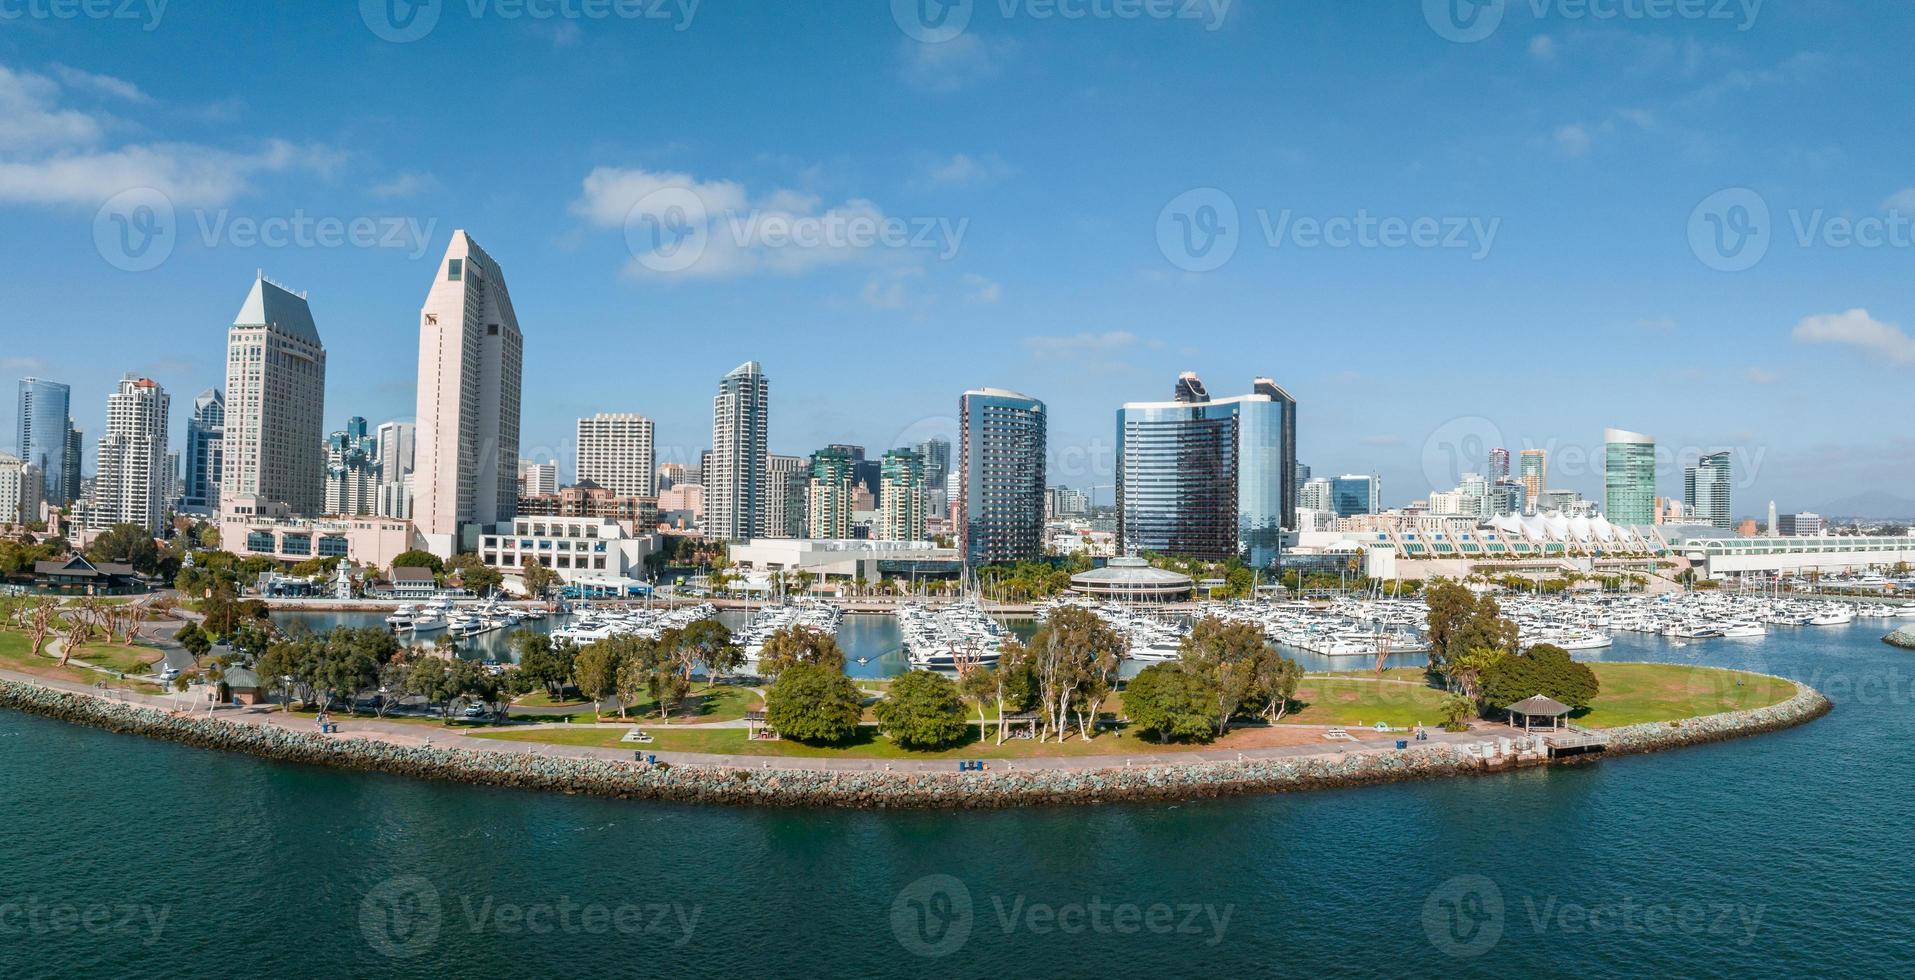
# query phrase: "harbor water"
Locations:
[[1776, 855]]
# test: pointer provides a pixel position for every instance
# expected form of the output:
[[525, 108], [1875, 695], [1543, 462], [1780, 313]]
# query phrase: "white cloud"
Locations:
[[1542, 47], [107, 85], [964, 170], [1572, 140], [50, 154], [22, 365], [889, 290], [1659, 324], [1857, 329], [1902, 200], [406, 184], [951, 65], [981, 291], [1762, 376], [1079, 345], [733, 233]]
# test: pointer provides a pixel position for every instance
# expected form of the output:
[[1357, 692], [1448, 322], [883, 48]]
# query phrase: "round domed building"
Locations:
[[1133, 580]]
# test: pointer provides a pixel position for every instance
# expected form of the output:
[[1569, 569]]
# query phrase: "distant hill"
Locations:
[[1874, 504]]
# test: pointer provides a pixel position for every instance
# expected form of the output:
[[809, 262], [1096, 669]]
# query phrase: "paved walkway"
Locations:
[[415, 734]]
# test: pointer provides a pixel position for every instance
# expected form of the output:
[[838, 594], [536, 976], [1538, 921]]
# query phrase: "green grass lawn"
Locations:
[[541, 699], [14, 655], [136, 659], [868, 744], [1635, 693], [1359, 703]]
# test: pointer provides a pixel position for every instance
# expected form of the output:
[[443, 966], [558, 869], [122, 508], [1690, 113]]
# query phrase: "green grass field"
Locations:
[[868, 744], [1358, 703], [1635, 693]]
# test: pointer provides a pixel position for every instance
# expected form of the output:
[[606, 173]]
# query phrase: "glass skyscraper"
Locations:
[[1001, 476], [1629, 477], [1356, 494], [1203, 478], [46, 439], [1705, 488]]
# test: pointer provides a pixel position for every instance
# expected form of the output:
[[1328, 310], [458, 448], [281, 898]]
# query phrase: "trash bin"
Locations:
[[1402, 743]]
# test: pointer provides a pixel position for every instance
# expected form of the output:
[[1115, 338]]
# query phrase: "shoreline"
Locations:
[[876, 788]]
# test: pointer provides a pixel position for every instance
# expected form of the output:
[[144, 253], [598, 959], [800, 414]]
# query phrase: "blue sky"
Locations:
[[1041, 171]]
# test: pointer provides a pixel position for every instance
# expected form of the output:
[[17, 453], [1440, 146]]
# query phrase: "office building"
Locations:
[[1203, 478], [1001, 476], [615, 452], [1533, 474], [273, 446], [16, 489], [901, 506], [673, 474], [735, 473], [352, 471], [787, 484], [1629, 477], [205, 438], [1498, 464], [1293, 473], [588, 499], [1802, 525], [937, 473], [1061, 503], [1353, 494], [47, 440], [129, 476], [396, 441], [831, 494], [540, 479], [1706, 489], [466, 447]]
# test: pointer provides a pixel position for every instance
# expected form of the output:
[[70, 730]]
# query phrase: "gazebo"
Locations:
[[1530, 710], [758, 729]]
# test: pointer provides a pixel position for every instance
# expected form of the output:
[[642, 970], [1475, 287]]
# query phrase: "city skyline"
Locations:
[[1060, 286]]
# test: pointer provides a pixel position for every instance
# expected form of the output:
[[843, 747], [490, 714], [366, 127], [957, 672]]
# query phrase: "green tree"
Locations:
[[1073, 659], [127, 544], [1543, 669], [538, 579], [596, 671], [1277, 678], [795, 645], [815, 703], [1171, 704], [922, 710], [1225, 655], [473, 574], [194, 640], [419, 559], [1457, 710]]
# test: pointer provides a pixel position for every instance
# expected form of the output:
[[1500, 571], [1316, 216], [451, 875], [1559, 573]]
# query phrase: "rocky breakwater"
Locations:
[[1904, 638], [1002, 786]]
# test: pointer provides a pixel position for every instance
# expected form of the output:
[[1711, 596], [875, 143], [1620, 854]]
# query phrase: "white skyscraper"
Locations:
[[538, 479], [274, 443], [395, 468], [615, 452], [470, 354], [786, 478], [735, 477], [130, 477], [14, 476]]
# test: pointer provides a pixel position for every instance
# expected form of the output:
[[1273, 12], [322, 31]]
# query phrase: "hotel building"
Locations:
[[1629, 477], [1001, 476], [470, 360], [273, 446], [130, 475], [1203, 478], [901, 509]]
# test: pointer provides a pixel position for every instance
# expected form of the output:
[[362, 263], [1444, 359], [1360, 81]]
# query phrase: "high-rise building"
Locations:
[[735, 475], [1315, 496], [937, 471], [786, 498], [471, 356], [396, 445], [173, 484], [1354, 493], [1629, 477], [1203, 478], [615, 452], [15, 488], [129, 476], [832, 495], [1001, 469], [1065, 502], [1534, 475], [1802, 525], [352, 470], [205, 453], [542, 480], [1293, 473], [73, 483], [1770, 527], [1498, 464], [901, 508], [1706, 489], [47, 440], [273, 446]]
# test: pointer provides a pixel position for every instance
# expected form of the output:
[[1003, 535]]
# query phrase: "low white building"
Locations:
[[249, 526], [577, 548], [845, 558]]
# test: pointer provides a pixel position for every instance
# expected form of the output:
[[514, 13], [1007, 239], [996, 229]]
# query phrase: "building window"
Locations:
[[332, 546], [297, 544], [260, 542], [455, 270]]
